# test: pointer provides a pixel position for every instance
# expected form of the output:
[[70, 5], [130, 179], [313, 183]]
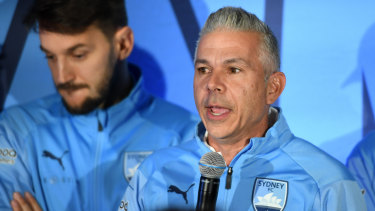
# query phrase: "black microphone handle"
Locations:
[[207, 194]]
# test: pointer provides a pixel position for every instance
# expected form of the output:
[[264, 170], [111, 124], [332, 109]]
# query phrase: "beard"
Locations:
[[90, 103]]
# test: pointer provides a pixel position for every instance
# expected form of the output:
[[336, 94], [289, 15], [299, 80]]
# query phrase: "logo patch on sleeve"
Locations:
[[270, 194], [8, 156], [132, 160], [124, 205]]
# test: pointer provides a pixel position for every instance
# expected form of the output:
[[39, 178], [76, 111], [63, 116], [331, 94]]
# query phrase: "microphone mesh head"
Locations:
[[212, 165]]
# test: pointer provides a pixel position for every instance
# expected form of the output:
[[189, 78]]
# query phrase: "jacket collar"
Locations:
[[274, 138], [120, 111]]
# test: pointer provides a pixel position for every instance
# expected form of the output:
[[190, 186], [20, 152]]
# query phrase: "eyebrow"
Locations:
[[200, 61], [43, 49], [69, 50], [236, 60], [226, 62]]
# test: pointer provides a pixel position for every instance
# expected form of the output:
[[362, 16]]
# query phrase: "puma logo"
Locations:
[[53, 157], [175, 189]]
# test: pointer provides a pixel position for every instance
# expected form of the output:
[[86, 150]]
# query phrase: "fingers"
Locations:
[[18, 203], [27, 203], [15, 205], [31, 200]]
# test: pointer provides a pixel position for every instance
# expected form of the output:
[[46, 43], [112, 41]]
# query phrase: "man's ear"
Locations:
[[124, 42], [275, 86]]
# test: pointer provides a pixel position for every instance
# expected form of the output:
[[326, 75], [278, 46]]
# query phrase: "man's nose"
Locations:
[[216, 83], [63, 72]]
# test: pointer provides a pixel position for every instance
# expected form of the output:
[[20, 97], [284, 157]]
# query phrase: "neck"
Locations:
[[121, 85], [228, 150]]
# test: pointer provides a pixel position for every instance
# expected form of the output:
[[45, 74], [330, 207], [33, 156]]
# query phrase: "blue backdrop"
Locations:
[[327, 51]]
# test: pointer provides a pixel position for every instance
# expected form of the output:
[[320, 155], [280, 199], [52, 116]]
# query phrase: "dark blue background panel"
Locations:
[[12, 47]]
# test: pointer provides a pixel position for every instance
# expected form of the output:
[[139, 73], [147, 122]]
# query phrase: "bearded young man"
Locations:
[[77, 150]]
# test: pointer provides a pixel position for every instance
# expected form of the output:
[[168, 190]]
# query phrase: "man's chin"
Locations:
[[84, 108]]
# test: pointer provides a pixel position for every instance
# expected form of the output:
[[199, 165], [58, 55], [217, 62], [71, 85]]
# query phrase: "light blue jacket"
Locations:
[[275, 172], [84, 162], [361, 164]]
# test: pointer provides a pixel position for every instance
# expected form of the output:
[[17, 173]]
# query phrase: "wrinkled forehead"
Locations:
[[228, 44]]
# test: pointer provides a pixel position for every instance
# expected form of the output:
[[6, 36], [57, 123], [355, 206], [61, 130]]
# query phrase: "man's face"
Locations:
[[229, 85], [82, 66]]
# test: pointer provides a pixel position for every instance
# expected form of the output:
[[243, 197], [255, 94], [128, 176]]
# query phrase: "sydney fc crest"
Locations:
[[270, 194], [132, 160]]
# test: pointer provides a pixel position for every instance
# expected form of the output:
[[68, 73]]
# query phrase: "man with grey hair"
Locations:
[[237, 79]]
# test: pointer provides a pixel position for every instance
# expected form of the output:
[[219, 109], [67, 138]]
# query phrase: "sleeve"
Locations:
[[133, 199], [14, 173], [341, 195], [361, 164]]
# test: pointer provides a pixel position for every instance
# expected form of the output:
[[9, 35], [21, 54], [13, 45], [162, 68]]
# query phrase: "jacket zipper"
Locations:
[[228, 183], [97, 161], [100, 126]]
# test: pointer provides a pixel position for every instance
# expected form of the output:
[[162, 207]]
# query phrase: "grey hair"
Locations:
[[238, 19]]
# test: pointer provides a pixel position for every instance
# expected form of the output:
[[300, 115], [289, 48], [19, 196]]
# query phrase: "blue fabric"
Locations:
[[69, 164], [361, 164], [278, 170]]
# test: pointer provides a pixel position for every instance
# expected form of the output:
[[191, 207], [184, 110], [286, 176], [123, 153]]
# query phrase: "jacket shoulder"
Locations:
[[171, 117], [366, 147], [24, 117], [322, 167]]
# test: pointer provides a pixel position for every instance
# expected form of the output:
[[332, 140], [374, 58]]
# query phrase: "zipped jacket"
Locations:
[[84, 162], [275, 172], [361, 163]]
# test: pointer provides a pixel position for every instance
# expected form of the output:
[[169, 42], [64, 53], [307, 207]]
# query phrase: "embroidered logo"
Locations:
[[124, 205], [175, 189], [53, 157], [132, 160], [270, 194], [8, 156]]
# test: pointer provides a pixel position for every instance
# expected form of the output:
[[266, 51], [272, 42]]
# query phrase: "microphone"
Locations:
[[211, 166]]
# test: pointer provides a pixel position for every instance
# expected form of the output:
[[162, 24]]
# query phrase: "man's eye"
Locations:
[[234, 70], [50, 57], [203, 69], [79, 56]]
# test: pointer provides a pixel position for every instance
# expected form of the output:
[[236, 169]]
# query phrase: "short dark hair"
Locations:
[[75, 16]]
